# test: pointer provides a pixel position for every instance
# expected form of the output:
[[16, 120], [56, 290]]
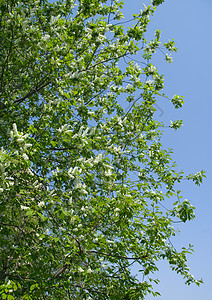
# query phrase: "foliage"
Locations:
[[84, 176]]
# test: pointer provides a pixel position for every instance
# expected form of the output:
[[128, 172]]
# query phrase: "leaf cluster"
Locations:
[[87, 190]]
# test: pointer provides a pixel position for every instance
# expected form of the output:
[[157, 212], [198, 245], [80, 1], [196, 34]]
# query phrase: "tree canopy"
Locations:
[[87, 189]]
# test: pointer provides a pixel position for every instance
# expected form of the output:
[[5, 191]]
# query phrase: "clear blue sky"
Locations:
[[189, 22]]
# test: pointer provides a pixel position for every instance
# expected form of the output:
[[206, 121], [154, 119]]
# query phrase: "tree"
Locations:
[[87, 190]]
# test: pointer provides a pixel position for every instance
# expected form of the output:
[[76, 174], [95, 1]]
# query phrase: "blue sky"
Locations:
[[189, 22]]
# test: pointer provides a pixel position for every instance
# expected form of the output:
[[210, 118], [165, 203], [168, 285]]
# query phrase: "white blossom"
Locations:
[[77, 183], [25, 156], [73, 172], [108, 173], [15, 129], [98, 158], [80, 270], [24, 207], [110, 242], [89, 270]]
